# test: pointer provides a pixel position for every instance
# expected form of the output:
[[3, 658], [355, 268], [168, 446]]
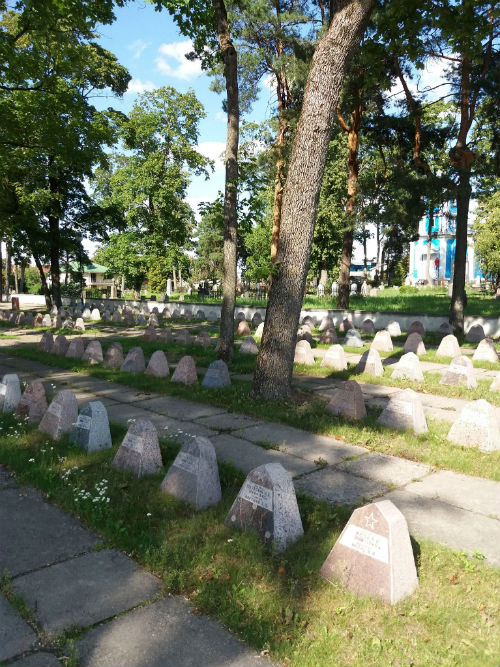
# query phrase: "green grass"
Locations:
[[277, 603], [305, 410], [429, 301]]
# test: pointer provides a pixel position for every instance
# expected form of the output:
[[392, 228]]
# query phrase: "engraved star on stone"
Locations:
[[370, 521]]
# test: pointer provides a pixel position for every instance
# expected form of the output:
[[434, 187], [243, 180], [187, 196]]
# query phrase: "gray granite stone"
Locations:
[[95, 315], [93, 353], [36, 534], [404, 411], [328, 337], [386, 469], [68, 323], [114, 356], [346, 325], [266, 504], [96, 586], [194, 476], [158, 365], [60, 416], [460, 372], [139, 452], [150, 335], [141, 320], [10, 392], [79, 324], [33, 403], [477, 426], [417, 327], [326, 323], [249, 346], [185, 371], [46, 321], [217, 375], [414, 343], [86, 313], [353, 338], [61, 345], [134, 361], [46, 342], [76, 349], [165, 633], [368, 327], [338, 487], [335, 358], [373, 555], [16, 635], [408, 368], [348, 401], [370, 363], [91, 431], [475, 334]]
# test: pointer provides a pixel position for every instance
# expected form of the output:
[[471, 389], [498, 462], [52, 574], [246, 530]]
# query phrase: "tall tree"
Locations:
[[274, 367]]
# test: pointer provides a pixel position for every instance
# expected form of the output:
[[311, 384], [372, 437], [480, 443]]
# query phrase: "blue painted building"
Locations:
[[442, 255]]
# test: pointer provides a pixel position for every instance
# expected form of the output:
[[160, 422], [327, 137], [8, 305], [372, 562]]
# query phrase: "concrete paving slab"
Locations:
[[83, 396], [35, 534], [454, 527], [386, 469], [41, 659], [16, 635], [178, 430], [122, 413], [180, 408], [247, 456], [164, 634], [471, 493], [7, 478], [228, 421], [302, 444], [96, 586], [338, 487], [124, 394]]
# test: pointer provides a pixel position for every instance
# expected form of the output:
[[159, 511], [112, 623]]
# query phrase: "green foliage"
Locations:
[[209, 264], [258, 242], [487, 233]]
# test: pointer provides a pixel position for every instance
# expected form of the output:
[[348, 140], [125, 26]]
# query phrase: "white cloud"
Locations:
[[214, 150], [136, 86], [220, 115], [138, 47], [172, 61]]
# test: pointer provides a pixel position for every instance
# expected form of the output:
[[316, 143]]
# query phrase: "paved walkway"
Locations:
[[59, 568]]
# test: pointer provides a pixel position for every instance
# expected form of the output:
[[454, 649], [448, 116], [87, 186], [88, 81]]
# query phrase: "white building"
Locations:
[[442, 255]]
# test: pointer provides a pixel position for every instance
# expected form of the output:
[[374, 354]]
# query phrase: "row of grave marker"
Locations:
[[373, 555]]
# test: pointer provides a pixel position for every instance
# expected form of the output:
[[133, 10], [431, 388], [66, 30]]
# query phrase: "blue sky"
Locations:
[[150, 46]]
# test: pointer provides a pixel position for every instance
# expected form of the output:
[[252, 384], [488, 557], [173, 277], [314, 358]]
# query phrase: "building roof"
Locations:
[[89, 268]]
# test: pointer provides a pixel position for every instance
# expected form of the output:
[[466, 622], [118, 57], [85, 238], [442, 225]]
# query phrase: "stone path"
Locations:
[[458, 511]]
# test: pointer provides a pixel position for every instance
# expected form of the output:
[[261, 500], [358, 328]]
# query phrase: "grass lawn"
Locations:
[[277, 603], [426, 301], [303, 410]]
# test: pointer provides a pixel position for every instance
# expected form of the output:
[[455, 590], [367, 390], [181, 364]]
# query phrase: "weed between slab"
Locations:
[[277, 603], [306, 410]]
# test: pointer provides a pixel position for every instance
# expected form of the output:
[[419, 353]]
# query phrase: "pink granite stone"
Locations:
[[348, 401], [373, 555], [404, 411], [158, 365], [346, 325], [368, 327], [328, 337], [33, 403], [460, 372], [382, 341], [149, 335], [185, 372], [335, 358], [477, 426], [370, 363], [243, 329], [46, 343], [139, 452], [495, 385], [60, 416], [303, 353], [448, 347], [417, 327], [408, 368], [486, 351], [114, 356], [93, 353], [394, 329], [134, 361]]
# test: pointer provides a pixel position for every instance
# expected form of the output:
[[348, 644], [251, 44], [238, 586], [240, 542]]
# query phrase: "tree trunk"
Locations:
[[23, 279], [429, 244], [1, 272], [55, 272], [174, 279], [365, 254], [323, 276], [16, 278], [180, 278], [229, 55], [273, 373], [66, 275], [8, 266], [497, 286], [350, 208], [45, 287], [457, 304], [122, 286]]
